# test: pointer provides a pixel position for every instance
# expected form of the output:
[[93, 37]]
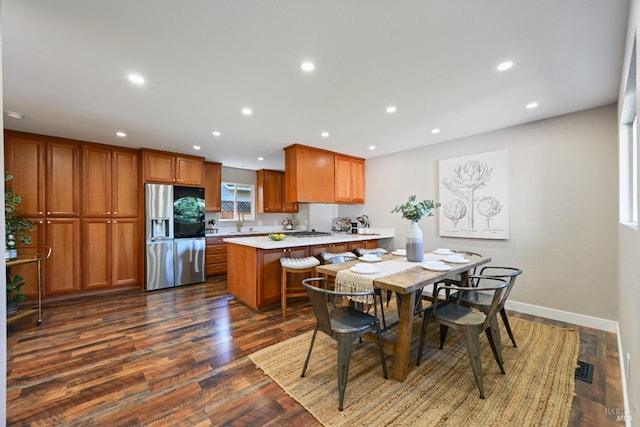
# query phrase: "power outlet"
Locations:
[[628, 370]]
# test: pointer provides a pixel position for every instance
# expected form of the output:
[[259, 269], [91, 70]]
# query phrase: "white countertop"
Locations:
[[263, 242]]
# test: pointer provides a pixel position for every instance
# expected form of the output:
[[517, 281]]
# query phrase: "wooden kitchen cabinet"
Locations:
[[25, 160], [349, 180], [110, 182], [110, 252], [63, 266], [363, 244], [126, 262], [172, 168], [212, 183], [329, 247], [270, 195], [310, 174], [254, 274], [215, 255], [62, 182]]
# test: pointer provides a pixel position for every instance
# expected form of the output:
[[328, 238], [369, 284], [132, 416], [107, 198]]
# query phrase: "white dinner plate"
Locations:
[[400, 252], [456, 261], [447, 252], [370, 259], [436, 267], [369, 270]]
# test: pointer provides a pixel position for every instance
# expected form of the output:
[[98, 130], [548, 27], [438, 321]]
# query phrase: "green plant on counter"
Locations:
[[414, 211]]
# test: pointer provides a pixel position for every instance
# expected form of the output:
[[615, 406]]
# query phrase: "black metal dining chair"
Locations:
[[343, 324], [482, 300], [471, 322]]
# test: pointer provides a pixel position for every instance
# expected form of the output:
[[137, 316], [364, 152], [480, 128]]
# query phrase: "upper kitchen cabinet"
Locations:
[[25, 160], [172, 168], [349, 180], [310, 174], [212, 182], [110, 179], [62, 194], [321, 176], [271, 189]]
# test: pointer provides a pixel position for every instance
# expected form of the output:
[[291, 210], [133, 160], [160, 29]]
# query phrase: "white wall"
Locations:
[[629, 259], [563, 201]]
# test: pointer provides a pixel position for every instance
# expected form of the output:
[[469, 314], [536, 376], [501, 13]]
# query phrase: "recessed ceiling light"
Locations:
[[504, 66], [216, 133], [14, 115], [531, 105], [247, 111], [121, 134], [307, 67], [325, 134], [261, 158], [136, 79], [391, 109], [196, 147], [372, 147], [434, 131]]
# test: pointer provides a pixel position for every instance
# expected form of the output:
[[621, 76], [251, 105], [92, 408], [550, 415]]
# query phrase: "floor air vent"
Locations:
[[584, 371]]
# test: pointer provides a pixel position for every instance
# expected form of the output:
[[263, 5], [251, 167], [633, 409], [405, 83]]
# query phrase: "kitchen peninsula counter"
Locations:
[[253, 263]]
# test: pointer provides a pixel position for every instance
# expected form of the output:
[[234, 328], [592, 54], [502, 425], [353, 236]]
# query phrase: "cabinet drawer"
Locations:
[[215, 240], [216, 269], [216, 258], [216, 249]]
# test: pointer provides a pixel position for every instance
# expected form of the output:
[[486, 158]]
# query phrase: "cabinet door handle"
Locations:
[[40, 222], [48, 213], [115, 222], [115, 213], [108, 222], [108, 213], [40, 213], [48, 222]]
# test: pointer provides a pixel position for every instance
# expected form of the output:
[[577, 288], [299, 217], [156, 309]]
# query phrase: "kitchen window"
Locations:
[[238, 202]]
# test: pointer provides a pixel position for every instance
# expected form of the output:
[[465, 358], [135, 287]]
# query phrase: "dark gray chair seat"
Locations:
[[343, 324]]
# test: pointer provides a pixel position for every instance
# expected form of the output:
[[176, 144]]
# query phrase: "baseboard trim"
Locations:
[[623, 376], [564, 316]]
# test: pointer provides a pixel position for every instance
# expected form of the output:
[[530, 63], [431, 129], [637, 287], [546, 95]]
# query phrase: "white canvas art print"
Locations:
[[474, 192]]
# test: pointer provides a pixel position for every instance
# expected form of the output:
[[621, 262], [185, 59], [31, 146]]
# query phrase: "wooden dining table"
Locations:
[[409, 285]]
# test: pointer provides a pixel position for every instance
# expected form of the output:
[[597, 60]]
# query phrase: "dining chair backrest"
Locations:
[[510, 273], [318, 297], [487, 283]]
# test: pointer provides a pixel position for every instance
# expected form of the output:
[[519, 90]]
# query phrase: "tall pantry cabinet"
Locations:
[[68, 194]]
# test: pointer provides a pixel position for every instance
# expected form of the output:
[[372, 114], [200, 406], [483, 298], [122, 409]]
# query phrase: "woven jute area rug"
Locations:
[[537, 389]]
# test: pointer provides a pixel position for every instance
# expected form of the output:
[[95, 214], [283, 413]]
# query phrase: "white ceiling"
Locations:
[[65, 67]]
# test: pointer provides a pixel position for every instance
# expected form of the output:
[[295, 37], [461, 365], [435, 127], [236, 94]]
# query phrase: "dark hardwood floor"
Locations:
[[178, 357]]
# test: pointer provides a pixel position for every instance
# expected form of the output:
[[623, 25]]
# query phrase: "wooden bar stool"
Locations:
[[305, 265]]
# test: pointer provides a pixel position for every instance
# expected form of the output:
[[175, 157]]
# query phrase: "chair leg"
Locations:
[[472, 341], [495, 335], [283, 292], [345, 345], [443, 335], [306, 362], [505, 320], [382, 359], [423, 333], [497, 354]]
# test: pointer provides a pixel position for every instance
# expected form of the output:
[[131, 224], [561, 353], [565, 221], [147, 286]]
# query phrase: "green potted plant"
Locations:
[[14, 293], [19, 228], [212, 223]]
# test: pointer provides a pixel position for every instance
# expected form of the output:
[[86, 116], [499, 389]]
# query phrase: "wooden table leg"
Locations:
[[403, 339]]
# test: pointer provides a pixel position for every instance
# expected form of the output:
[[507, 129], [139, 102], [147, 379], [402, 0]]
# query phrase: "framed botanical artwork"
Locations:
[[474, 192]]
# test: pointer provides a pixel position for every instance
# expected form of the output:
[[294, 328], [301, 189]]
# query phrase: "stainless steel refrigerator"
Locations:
[[175, 239]]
